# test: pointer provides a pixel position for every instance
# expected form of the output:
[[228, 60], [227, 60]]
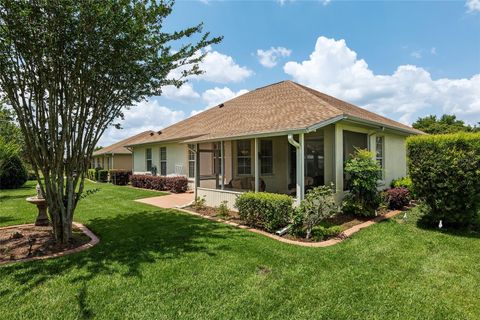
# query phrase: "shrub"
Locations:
[[13, 173], [102, 175], [119, 177], [199, 203], [175, 184], [222, 209], [269, 211], [445, 170], [397, 198], [363, 198], [318, 204], [320, 233], [405, 182]]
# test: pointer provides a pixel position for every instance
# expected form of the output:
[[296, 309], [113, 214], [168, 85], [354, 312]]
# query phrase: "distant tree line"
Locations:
[[445, 124]]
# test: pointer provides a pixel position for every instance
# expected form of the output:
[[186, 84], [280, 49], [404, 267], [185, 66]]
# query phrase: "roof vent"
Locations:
[[151, 133], [159, 132], [221, 105]]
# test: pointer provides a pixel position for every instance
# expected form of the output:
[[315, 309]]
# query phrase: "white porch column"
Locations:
[[338, 159], [301, 168], [257, 165], [222, 164], [197, 170]]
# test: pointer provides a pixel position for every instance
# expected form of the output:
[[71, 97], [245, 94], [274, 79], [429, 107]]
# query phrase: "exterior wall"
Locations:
[[395, 158], [177, 158], [213, 198], [119, 161]]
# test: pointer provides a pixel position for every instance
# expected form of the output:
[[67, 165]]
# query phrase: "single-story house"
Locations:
[[116, 156], [282, 138]]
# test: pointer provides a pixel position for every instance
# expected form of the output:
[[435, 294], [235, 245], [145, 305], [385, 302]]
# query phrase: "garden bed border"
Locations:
[[94, 240]]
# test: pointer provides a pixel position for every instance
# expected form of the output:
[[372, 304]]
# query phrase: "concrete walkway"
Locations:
[[173, 200]]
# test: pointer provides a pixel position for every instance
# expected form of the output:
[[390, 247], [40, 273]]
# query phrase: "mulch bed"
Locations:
[[29, 241]]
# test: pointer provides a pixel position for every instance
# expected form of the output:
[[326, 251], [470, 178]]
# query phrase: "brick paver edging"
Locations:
[[94, 240], [321, 244]]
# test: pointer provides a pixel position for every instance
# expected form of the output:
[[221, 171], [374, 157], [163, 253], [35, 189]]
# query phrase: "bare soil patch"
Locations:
[[29, 241]]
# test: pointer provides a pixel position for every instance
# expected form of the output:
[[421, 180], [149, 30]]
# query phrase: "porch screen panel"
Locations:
[[163, 161], [314, 160], [244, 157], [148, 158], [266, 158]]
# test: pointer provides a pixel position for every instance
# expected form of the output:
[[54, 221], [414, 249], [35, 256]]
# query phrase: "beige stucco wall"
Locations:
[[177, 156], [119, 161]]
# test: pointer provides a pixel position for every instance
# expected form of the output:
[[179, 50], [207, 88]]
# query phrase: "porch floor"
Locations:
[[173, 200]]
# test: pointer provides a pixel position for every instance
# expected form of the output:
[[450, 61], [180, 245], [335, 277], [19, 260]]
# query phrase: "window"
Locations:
[[244, 157], [380, 154], [148, 158], [266, 156], [163, 161], [191, 160]]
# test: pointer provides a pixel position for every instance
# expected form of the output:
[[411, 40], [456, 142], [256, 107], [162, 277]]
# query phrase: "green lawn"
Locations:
[[163, 264]]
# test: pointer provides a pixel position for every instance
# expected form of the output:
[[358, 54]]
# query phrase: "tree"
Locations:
[[68, 68], [9, 130], [446, 124]]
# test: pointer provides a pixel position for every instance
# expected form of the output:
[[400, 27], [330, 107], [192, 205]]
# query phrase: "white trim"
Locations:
[[222, 191]]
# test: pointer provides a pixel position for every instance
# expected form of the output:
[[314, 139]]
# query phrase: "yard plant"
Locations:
[[70, 68]]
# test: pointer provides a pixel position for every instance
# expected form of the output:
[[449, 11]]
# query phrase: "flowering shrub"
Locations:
[[175, 184], [397, 198]]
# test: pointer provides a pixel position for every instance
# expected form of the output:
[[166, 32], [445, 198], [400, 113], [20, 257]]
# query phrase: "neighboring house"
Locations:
[[116, 156], [282, 138]]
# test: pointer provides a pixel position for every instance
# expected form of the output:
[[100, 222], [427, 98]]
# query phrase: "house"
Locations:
[[116, 156], [283, 138]]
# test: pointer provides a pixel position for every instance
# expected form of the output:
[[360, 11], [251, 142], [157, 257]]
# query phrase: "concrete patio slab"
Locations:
[[173, 200]]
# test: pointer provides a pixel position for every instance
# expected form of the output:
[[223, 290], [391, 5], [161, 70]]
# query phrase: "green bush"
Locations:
[[319, 203], [405, 182], [269, 211], [119, 177], [320, 233], [92, 174], [363, 198], [222, 209], [13, 173], [445, 170], [102, 175]]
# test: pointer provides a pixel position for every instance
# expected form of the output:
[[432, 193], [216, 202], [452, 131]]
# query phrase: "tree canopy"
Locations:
[[445, 124], [69, 68]]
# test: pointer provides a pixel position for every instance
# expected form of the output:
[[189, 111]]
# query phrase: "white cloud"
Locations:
[[472, 5], [410, 91], [326, 2], [433, 51], [213, 97], [147, 115], [269, 58], [185, 93], [416, 54]]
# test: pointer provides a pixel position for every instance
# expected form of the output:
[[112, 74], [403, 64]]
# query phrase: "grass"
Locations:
[[164, 264]]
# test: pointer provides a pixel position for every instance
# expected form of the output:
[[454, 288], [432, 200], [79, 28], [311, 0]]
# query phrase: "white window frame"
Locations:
[[380, 158], [148, 159], [191, 161], [163, 161], [244, 157]]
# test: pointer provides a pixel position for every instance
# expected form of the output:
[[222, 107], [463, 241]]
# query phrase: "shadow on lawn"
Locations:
[[126, 242]]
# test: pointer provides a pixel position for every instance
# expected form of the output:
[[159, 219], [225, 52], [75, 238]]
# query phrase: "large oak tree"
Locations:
[[69, 67]]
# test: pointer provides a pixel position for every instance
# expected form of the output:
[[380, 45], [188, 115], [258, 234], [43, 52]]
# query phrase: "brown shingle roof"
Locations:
[[280, 107], [119, 147]]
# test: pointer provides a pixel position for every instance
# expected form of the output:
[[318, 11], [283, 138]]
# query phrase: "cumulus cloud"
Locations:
[[269, 58], [147, 115], [185, 93], [213, 97], [472, 5], [410, 91]]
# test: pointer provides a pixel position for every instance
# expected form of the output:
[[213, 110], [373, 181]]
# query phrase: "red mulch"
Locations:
[[29, 241]]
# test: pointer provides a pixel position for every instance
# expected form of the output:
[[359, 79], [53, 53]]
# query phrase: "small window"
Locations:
[[191, 161], [266, 157], [244, 157], [380, 153], [148, 157], [163, 161]]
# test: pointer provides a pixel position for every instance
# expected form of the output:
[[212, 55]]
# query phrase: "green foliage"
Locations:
[[269, 211], [92, 174], [320, 233], [102, 175], [222, 209], [119, 177], [445, 170], [319, 204], [199, 203], [405, 182], [363, 172], [446, 124], [13, 173]]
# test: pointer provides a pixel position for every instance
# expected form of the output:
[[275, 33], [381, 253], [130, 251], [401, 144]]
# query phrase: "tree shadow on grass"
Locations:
[[4, 219], [127, 242]]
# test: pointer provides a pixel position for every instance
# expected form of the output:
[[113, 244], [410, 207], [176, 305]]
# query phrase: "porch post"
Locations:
[[338, 159], [301, 168], [222, 165], [257, 166], [197, 169]]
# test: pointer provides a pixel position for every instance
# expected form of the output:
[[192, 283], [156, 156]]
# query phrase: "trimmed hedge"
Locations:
[[445, 171], [97, 174], [119, 177], [175, 184], [13, 173], [269, 211]]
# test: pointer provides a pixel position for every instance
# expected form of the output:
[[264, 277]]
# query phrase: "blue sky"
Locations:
[[401, 59]]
